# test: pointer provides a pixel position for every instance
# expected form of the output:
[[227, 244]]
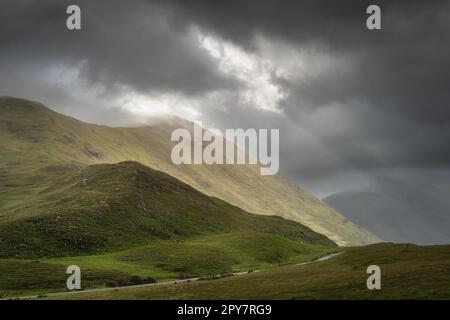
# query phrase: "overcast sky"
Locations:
[[352, 105]]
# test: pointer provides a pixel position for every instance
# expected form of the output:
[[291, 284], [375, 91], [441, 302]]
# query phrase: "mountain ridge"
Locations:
[[48, 138], [103, 207]]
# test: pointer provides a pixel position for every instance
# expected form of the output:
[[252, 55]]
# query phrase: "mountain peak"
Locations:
[[13, 103]]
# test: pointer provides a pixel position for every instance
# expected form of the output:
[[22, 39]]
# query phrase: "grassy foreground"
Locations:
[[160, 260], [408, 272]]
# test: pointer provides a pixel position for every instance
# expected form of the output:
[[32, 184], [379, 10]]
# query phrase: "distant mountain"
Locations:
[[34, 138], [398, 211]]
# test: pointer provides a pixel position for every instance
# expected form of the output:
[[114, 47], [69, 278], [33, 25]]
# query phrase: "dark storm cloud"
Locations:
[[359, 102], [400, 68], [391, 99], [119, 43]]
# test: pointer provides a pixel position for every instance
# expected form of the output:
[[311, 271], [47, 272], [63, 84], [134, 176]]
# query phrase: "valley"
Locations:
[[110, 201], [408, 272]]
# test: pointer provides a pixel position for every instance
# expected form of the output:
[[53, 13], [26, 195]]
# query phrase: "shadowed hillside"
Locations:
[[112, 206]]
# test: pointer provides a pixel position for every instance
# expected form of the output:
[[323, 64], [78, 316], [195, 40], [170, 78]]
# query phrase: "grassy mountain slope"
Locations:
[[127, 224], [34, 138], [408, 272], [107, 207]]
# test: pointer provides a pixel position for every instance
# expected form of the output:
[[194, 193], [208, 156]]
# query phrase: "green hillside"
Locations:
[[407, 272], [66, 197], [127, 224], [36, 142], [107, 207]]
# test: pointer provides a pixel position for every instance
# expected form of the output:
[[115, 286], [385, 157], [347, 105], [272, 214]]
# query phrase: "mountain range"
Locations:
[[86, 195], [110, 201], [39, 144]]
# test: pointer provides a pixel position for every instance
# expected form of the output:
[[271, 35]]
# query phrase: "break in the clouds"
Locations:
[[351, 104]]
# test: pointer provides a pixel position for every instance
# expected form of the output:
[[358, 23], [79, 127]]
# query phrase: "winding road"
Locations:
[[324, 258]]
